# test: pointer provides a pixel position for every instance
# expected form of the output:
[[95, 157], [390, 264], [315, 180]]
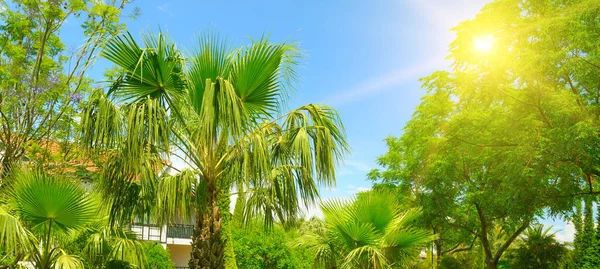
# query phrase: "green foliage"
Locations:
[[115, 264], [520, 117], [587, 235], [49, 219], [39, 97], [537, 248], [217, 106], [257, 248], [369, 232], [157, 256]]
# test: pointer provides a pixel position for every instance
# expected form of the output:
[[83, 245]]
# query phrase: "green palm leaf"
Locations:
[[41, 200], [14, 237], [260, 74], [212, 60], [155, 71], [62, 260], [368, 232]]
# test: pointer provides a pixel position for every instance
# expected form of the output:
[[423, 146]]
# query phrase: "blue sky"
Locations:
[[362, 57]]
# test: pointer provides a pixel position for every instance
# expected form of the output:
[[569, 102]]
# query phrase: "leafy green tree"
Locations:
[[39, 97], [586, 243], [157, 256], [511, 131], [368, 232], [538, 248], [40, 216], [216, 111], [258, 248]]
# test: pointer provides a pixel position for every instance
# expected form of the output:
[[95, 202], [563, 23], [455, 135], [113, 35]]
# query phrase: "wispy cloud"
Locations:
[[383, 83], [165, 8], [356, 189], [353, 167], [358, 166], [442, 16]]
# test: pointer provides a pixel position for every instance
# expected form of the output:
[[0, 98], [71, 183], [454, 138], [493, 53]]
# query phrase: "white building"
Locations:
[[177, 238]]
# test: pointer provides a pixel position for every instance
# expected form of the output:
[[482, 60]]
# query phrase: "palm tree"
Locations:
[[218, 110], [368, 232], [538, 248], [41, 214]]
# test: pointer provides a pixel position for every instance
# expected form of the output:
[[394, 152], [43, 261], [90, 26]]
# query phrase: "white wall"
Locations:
[[180, 254]]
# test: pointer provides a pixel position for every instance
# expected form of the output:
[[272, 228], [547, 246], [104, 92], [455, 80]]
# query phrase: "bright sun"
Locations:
[[484, 44]]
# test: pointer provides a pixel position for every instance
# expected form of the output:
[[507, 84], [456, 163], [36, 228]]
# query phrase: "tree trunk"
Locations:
[[491, 264], [207, 246], [439, 252]]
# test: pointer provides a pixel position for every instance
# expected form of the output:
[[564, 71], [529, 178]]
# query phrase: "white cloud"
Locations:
[[566, 234], [165, 8], [356, 189]]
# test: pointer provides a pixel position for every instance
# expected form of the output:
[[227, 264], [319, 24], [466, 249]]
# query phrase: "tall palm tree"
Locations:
[[40, 215], [368, 232], [217, 110]]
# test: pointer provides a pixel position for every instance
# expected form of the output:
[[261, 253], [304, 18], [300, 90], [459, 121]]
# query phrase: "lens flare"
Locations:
[[484, 44]]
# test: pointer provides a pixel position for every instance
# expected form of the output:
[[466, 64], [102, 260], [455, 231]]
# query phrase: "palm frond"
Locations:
[[175, 196], [62, 260], [370, 231], [209, 62], [260, 73], [155, 71], [14, 237], [323, 250], [315, 139], [39, 200], [124, 248]]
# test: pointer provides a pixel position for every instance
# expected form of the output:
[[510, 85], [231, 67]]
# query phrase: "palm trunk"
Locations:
[[207, 246]]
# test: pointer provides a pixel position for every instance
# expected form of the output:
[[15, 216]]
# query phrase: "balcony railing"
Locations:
[[149, 232], [180, 231], [153, 232]]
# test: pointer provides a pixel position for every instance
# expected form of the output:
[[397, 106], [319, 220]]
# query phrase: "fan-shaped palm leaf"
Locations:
[[62, 260], [155, 71], [42, 200]]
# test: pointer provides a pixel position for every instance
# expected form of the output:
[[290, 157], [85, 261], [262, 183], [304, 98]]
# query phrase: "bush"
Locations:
[[257, 249], [157, 256], [115, 264]]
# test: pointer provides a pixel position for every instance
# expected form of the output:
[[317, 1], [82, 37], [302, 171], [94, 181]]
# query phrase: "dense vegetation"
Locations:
[[507, 136]]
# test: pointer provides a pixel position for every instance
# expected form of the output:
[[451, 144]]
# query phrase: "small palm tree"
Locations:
[[219, 109], [538, 248], [41, 214], [368, 232]]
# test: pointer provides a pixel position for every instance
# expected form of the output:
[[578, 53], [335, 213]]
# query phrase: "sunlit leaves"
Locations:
[[224, 127], [368, 232], [42, 201]]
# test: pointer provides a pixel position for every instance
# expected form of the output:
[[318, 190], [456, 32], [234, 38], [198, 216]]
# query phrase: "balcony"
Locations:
[[180, 231], [147, 232], [180, 234]]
